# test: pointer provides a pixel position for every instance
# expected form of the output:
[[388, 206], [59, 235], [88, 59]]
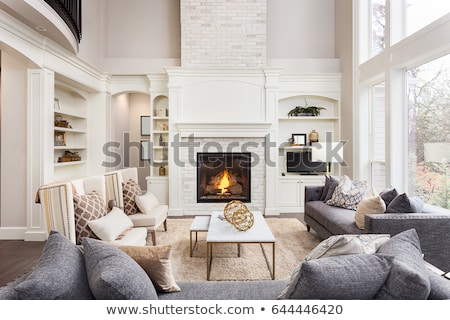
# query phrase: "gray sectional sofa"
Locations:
[[98, 270], [432, 224]]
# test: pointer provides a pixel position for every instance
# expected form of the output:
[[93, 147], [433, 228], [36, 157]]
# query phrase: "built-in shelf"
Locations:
[[69, 163], [309, 118], [70, 108], [327, 125], [62, 129]]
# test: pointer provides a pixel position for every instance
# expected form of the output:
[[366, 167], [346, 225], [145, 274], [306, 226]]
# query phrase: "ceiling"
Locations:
[[40, 17]]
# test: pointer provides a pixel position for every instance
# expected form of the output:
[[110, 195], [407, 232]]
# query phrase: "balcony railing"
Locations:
[[70, 12]]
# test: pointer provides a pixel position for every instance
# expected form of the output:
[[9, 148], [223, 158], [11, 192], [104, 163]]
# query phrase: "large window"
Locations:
[[378, 26], [378, 135], [429, 131], [405, 43], [420, 13]]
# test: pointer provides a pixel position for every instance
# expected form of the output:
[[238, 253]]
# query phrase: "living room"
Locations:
[[225, 78]]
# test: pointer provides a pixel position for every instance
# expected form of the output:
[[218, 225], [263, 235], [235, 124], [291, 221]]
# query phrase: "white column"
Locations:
[[39, 145]]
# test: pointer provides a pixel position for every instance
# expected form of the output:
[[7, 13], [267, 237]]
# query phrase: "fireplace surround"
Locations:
[[223, 176]]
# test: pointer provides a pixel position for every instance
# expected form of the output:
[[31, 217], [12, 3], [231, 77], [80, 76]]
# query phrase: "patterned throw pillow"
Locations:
[[130, 191], [87, 207], [348, 193]]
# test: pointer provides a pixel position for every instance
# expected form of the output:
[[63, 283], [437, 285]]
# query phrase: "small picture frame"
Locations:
[[299, 139], [60, 139], [57, 105], [145, 125], [145, 150]]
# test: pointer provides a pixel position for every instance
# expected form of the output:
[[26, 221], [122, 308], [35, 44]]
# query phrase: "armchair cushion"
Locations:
[[131, 190], [153, 219], [87, 207], [146, 202], [111, 226]]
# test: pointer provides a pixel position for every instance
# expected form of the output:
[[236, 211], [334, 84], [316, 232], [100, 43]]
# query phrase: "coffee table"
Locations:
[[200, 224], [220, 231]]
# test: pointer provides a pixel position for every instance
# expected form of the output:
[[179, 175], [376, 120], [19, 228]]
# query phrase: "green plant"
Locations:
[[306, 109]]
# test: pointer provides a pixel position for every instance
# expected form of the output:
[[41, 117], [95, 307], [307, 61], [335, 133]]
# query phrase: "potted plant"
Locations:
[[305, 110]]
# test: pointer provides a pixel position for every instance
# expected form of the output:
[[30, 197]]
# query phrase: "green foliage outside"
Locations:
[[429, 122]]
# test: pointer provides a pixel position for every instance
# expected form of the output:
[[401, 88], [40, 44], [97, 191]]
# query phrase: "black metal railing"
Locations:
[[70, 12]]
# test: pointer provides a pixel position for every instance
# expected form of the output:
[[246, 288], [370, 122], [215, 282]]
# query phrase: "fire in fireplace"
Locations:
[[223, 176]]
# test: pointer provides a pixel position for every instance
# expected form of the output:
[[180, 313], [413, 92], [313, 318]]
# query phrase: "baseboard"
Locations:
[[12, 233], [21, 233]]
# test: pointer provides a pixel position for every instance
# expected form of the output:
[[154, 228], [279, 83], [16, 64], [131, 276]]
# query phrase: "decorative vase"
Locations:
[[313, 137]]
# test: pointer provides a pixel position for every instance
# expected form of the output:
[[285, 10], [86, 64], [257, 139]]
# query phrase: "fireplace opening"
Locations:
[[223, 176]]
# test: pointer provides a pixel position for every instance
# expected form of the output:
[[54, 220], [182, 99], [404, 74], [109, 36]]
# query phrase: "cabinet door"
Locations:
[[160, 188], [289, 193]]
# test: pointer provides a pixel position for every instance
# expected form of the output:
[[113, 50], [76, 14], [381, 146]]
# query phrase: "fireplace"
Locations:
[[223, 176]]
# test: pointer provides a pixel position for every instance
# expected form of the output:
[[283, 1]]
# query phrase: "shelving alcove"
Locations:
[[70, 132], [158, 181], [291, 185]]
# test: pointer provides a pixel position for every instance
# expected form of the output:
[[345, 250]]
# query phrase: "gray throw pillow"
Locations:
[[59, 274], [354, 276], [113, 275], [333, 182], [404, 204], [326, 186], [408, 279], [388, 195]]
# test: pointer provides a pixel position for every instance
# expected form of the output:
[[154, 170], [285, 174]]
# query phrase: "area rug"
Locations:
[[293, 243]]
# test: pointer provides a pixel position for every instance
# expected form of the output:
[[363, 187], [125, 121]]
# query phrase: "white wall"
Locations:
[[139, 36], [91, 46], [139, 106], [143, 36], [300, 29], [120, 122], [127, 109], [13, 142]]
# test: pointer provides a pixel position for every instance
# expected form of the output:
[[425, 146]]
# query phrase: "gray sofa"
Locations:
[[98, 270], [432, 225]]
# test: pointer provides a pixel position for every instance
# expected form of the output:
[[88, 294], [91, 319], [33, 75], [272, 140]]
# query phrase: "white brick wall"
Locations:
[[223, 33], [188, 185]]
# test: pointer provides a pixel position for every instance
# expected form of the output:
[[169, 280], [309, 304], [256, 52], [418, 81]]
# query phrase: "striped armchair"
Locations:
[[58, 206], [152, 218]]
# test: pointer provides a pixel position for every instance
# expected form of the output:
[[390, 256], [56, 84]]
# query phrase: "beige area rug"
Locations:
[[293, 243]]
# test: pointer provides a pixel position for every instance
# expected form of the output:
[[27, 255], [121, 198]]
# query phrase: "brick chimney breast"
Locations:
[[223, 33]]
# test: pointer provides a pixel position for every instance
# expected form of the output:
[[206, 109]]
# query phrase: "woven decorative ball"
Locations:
[[231, 207], [237, 214], [242, 220]]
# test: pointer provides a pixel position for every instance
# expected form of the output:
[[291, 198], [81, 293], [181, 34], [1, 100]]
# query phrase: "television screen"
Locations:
[[300, 162]]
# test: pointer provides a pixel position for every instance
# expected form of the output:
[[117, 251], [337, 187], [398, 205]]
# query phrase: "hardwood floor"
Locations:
[[18, 257]]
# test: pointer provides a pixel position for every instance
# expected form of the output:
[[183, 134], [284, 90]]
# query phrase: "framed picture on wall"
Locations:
[[299, 139], [146, 150], [145, 125]]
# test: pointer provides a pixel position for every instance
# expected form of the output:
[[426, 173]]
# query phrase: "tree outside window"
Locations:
[[429, 131]]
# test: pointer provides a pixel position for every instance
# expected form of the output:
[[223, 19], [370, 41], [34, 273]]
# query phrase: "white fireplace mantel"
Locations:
[[223, 130]]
